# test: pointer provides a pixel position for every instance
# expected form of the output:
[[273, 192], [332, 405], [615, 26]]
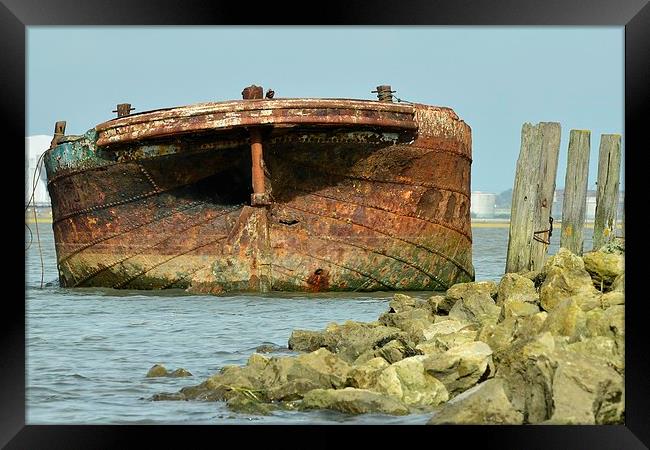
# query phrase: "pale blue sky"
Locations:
[[495, 78]]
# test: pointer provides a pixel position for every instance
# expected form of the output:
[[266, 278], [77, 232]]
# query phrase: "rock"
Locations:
[[270, 348], [413, 322], [498, 336], [612, 298], [603, 267], [461, 367], [475, 308], [516, 287], [619, 284], [530, 326], [486, 403], [608, 323], [277, 378], [462, 290], [284, 378], [513, 307], [352, 339], [233, 380], [443, 327], [615, 319], [306, 341], [564, 259], [257, 362], [585, 391], [157, 370], [567, 319], [595, 324], [349, 340], [443, 342], [322, 367], [502, 336], [246, 402], [168, 396], [434, 302], [208, 392], [539, 345], [536, 276], [616, 245], [401, 303], [407, 381], [602, 348], [364, 376], [566, 278], [555, 385], [440, 318], [529, 379], [395, 350], [443, 335], [353, 401], [291, 390], [459, 290], [244, 377], [429, 348]]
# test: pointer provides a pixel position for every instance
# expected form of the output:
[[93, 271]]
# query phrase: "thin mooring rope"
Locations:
[[39, 165]]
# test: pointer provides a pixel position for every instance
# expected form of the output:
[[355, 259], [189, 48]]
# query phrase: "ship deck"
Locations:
[[229, 115]]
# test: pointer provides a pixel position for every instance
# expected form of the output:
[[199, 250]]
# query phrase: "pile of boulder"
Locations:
[[536, 347]]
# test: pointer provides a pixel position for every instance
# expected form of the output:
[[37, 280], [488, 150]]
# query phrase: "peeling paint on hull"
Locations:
[[365, 196]]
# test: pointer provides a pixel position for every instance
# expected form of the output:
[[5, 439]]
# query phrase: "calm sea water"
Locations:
[[88, 350]]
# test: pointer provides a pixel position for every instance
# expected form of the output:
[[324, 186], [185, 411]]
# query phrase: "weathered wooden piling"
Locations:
[[609, 168], [575, 191], [532, 196]]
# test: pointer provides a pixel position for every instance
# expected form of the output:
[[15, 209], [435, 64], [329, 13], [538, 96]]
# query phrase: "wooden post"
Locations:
[[532, 196], [575, 191], [623, 220], [609, 168]]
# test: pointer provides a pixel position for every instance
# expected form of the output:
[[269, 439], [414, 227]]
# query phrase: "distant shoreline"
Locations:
[[476, 223], [505, 223]]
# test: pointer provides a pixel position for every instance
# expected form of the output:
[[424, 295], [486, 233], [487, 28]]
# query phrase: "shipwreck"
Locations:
[[265, 194]]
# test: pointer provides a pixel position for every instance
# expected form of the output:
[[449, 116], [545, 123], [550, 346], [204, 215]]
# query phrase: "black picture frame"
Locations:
[[16, 15]]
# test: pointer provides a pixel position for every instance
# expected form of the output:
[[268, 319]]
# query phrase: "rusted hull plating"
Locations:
[[358, 206]]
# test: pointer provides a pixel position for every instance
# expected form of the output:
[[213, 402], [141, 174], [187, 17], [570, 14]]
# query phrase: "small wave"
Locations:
[[135, 422], [94, 338], [41, 390]]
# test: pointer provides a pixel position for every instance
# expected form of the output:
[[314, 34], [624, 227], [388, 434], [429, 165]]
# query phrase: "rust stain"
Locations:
[[319, 280]]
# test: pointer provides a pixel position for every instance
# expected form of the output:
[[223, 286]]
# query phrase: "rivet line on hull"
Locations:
[[448, 258], [172, 235]]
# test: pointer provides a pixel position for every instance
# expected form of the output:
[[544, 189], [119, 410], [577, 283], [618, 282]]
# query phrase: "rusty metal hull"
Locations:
[[364, 196]]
